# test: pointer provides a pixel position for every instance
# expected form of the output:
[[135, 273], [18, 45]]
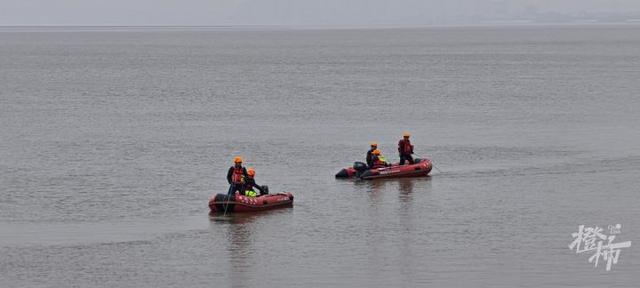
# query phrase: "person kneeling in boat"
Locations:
[[374, 146], [378, 160], [405, 149], [236, 176], [250, 183]]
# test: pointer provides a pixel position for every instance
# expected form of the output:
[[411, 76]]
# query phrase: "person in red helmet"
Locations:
[[405, 149], [236, 176]]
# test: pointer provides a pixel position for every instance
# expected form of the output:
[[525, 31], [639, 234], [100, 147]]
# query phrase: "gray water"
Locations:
[[112, 141]]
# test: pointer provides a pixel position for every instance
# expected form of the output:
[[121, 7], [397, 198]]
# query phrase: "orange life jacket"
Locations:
[[237, 176], [405, 147]]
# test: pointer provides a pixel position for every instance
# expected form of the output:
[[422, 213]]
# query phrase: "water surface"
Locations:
[[112, 141]]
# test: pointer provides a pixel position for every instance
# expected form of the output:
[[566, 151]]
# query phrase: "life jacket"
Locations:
[[238, 175], [379, 161], [250, 193], [406, 147]]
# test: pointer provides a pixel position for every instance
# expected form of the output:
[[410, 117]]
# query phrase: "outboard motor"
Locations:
[[360, 168], [222, 203], [224, 197], [265, 189]]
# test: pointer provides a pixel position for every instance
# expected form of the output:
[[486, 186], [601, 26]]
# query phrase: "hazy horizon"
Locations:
[[308, 12]]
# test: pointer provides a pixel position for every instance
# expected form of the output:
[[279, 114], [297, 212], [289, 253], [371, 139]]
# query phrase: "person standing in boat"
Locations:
[[250, 183], [236, 176], [374, 146], [378, 160], [405, 149]]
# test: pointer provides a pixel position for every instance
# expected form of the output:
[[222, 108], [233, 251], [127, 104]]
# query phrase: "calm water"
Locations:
[[112, 141]]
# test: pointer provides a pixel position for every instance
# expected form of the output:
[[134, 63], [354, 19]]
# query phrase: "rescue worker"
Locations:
[[250, 183], [405, 149], [236, 176], [378, 160], [374, 146]]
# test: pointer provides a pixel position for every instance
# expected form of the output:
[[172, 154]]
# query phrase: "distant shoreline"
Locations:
[[124, 28]]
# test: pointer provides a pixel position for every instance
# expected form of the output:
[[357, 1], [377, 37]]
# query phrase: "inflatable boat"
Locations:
[[241, 204], [420, 168]]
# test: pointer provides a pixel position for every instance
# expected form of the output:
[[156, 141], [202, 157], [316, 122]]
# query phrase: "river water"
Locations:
[[112, 141]]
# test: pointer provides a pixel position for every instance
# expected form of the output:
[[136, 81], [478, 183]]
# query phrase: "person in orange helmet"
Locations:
[[405, 149], [236, 176], [250, 183], [378, 160]]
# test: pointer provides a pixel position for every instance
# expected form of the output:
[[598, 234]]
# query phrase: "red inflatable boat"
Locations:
[[240, 203], [420, 168]]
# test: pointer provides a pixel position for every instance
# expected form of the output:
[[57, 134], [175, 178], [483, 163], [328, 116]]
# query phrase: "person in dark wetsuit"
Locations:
[[236, 176], [374, 146], [405, 149], [250, 183]]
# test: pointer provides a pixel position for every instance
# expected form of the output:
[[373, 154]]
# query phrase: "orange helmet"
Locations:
[[251, 172], [376, 152], [373, 144], [406, 134], [237, 159]]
